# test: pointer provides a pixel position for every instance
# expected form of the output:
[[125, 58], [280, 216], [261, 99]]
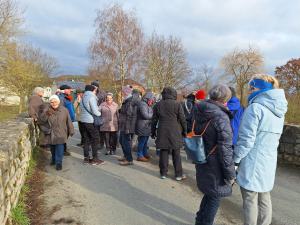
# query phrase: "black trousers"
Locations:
[[91, 137], [164, 161], [110, 139], [81, 130]]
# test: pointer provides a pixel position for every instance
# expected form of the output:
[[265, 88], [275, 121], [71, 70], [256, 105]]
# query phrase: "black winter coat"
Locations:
[[128, 114], [144, 116], [210, 176], [168, 115]]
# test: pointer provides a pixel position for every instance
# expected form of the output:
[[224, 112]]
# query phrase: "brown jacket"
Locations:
[[33, 106], [60, 124], [110, 116]]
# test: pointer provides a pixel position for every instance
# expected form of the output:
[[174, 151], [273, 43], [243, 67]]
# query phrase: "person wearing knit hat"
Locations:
[[127, 123], [200, 95], [127, 91], [57, 128]]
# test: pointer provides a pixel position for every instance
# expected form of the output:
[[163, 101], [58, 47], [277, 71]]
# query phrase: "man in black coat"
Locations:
[[169, 119], [214, 178]]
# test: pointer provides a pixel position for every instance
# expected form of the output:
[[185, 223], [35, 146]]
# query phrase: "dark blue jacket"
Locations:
[[210, 176], [237, 110], [68, 104]]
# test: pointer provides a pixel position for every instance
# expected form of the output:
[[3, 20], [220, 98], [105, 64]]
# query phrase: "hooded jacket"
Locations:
[[168, 117], [88, 102], [68, 104], [128, 114], [237, 110], [144, 116], [258, 139], [220, 166]]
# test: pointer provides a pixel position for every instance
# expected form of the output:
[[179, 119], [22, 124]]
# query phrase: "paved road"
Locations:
[[113, 195]]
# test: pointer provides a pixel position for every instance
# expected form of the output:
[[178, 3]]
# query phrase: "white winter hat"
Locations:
[[54, 97]]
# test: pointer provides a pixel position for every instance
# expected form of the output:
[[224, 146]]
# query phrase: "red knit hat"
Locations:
[[200, 94]]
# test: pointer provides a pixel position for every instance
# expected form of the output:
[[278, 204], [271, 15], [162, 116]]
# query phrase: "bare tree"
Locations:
[[117, 44], [11, 19], [203, 77], [240, 65], [165, 63]]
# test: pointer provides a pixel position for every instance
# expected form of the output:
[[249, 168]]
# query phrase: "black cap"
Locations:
[[64, 87], [89, 87], [95, 83]]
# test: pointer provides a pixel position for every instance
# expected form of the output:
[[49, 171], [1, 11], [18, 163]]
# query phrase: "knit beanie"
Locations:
[[127, 90], [54, 97], [200, 94]]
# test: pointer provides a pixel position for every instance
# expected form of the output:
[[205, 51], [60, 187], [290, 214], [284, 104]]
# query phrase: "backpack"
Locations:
[[194, 146]]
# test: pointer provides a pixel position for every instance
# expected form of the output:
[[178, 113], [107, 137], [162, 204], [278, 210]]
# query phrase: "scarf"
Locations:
[[262, 85]]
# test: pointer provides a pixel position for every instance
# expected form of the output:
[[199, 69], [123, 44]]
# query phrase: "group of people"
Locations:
[[240, 143]]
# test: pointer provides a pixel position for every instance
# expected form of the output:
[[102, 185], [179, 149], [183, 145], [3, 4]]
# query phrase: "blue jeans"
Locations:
[[208, 210], [142, 146], [125, 141], [57, 152]]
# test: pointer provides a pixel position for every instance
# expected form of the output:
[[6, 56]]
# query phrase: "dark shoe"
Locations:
[[86, 160], [142, 159], [58, 167], [79, 145], [52, 163], [97, 162], [66, 153], [107, 153], [113, 152], [126, 163], [147, 156]]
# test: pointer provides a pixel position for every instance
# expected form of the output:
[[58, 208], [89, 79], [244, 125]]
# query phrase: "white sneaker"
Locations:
[[163, 177]]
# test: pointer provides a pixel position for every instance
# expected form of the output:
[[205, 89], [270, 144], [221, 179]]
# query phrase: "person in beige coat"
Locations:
[[56, 118], [110, 115]]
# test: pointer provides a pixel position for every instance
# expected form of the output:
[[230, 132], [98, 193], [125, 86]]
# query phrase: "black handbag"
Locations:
[[98, 120]]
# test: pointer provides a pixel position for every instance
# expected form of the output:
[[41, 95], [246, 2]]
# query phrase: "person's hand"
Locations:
[[229, 182]]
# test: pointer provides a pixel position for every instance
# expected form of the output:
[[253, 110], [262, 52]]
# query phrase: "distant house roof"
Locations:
[[78, 85]]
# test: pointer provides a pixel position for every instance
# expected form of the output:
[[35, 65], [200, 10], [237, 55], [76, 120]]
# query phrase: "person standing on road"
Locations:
[[60, 127], [168, 117], [89, 107], [143, 126], [127, 122], [216, 176], [109, 129], [237, 110], [66, 99], [79, 94], [34, 102], [256, 149], [101, 97]]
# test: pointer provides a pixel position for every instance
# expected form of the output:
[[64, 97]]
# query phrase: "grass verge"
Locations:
[[29, 210]]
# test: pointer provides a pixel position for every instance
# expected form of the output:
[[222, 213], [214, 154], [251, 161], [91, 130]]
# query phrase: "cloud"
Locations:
[[208, 28]]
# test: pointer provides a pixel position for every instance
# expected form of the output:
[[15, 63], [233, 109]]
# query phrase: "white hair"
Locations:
[[37, 90], [220, 93]]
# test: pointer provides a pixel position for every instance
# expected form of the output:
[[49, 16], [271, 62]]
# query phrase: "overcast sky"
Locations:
[[208, 28]]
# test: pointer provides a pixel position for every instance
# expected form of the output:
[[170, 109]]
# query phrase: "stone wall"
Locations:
[[17, 138], [289, 148]]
